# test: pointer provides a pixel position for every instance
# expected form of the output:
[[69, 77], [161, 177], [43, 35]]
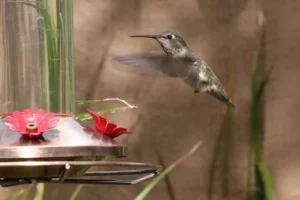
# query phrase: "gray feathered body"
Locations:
[[200, 77], [180, 62]]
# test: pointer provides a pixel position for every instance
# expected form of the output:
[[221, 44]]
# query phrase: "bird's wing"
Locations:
[[148, 63]]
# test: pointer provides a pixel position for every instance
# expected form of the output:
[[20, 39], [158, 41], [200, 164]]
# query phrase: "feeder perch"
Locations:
[[36, 72]]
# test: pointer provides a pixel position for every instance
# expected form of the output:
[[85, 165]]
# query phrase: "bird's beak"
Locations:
[[146, 36]]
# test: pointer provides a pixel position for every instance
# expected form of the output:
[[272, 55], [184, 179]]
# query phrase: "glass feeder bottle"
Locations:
[[36, 56]]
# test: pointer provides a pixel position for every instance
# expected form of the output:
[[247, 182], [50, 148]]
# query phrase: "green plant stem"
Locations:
[[56, 53], [222, 142], [226, 129], [16, 194], [267, 181], [155, 181], [40, 191], [42, 55], [76, 192], [212, 168], [27, 191], [263, 186], [86, 116], [168, 182]]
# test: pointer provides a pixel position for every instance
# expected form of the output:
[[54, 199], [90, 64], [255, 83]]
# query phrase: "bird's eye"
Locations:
[[170, 37]]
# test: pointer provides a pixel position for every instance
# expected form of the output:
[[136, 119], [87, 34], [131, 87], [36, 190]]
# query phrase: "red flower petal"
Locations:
[[10, 126], [28, 116], [32, 135], [36, 134], [39, 115], [51, 120], [102, 124], [42, 126], [109, 128], [121, 130], [12, 123], [99, 121], [52, 123], [94, 116], [18, 121], [20, 118]]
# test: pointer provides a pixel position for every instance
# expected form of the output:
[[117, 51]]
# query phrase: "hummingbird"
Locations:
[[178, 61]]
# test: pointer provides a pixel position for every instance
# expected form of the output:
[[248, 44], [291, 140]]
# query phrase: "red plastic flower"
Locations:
[[31, 124], [106, 127]]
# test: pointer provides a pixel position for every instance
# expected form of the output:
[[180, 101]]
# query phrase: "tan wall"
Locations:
[[170, 116], [282, 97]]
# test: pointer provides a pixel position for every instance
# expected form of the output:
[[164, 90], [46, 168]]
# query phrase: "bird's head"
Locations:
[[171, 42]]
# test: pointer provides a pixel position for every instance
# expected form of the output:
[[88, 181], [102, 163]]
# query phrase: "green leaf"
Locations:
[[82, 102], [155, 181], [254, 72], [267, 181], [264, 83], [86, 116]]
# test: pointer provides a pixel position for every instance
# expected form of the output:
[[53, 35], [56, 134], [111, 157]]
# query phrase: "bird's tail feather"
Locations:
[[221, 95]]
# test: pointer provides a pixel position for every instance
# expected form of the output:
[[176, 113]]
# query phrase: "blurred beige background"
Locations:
[[170, 116]]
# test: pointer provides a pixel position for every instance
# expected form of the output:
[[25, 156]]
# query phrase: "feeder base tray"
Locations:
[[90, 177], [64, 155]]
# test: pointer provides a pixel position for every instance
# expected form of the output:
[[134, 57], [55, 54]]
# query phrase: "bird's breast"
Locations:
[[191, 76]]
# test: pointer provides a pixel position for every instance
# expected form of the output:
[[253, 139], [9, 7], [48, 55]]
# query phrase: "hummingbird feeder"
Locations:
[[40, 139]]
